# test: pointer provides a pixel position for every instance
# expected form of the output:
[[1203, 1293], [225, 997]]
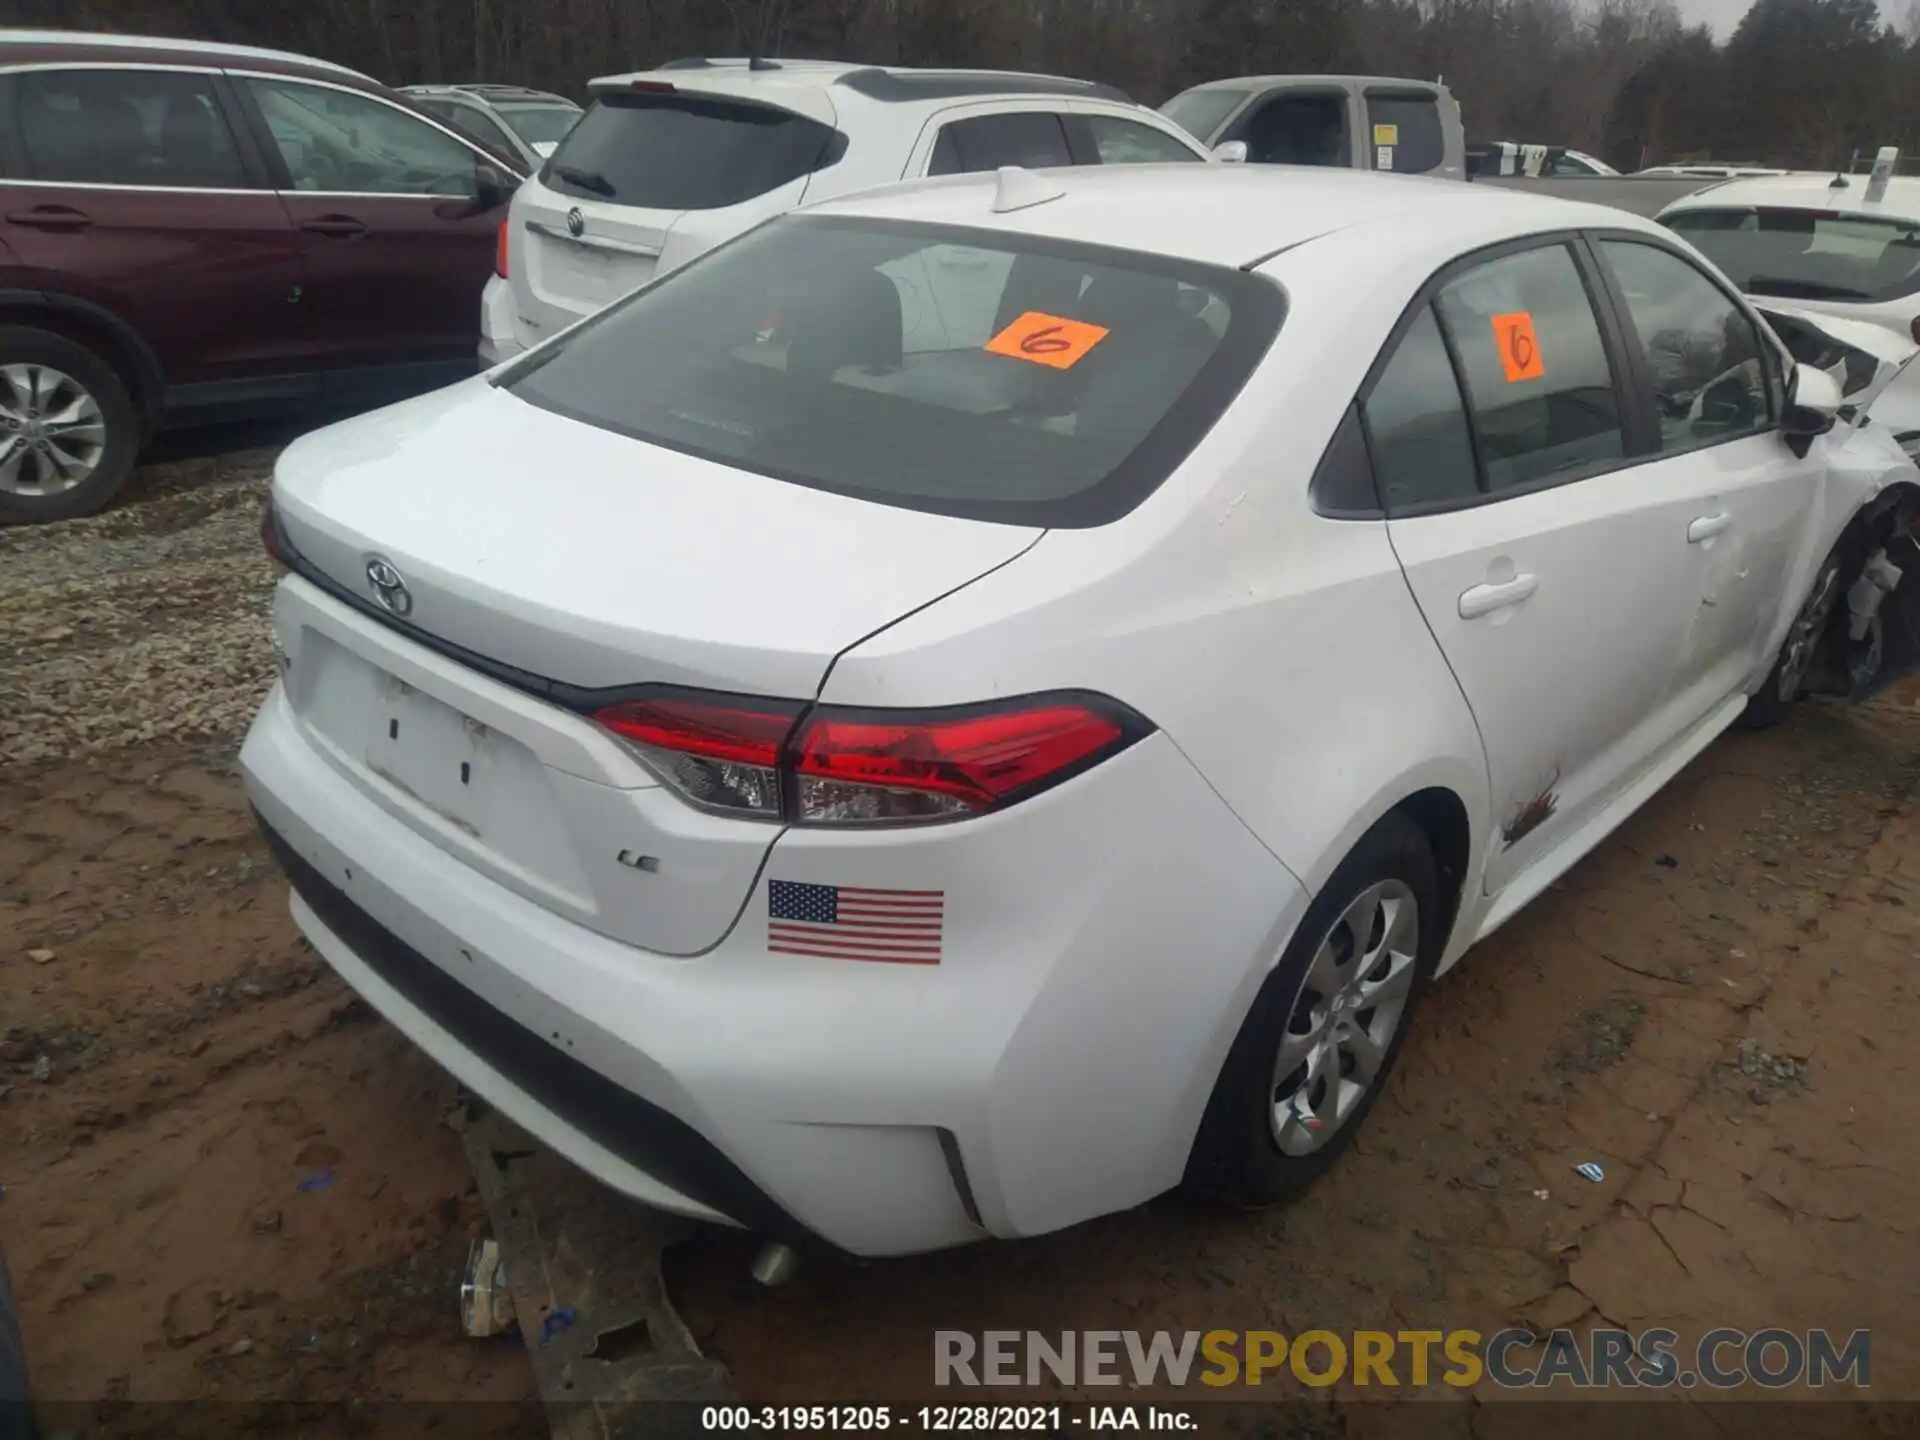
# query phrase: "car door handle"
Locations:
[[336, 227], [51, 217], [1485, 599], [1708, 526]]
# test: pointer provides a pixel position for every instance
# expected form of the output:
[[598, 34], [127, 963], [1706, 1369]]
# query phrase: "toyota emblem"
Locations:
[[576, 223], [388, 588]]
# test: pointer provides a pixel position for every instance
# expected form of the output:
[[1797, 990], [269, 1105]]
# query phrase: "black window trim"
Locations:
[[253, 165], [1638, 423], [1637, 359], [1260, 306]]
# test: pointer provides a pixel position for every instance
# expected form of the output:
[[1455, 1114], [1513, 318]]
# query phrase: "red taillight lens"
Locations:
[[500, 253], [862, 770], [719, 753], [652, 87], [868, 767]]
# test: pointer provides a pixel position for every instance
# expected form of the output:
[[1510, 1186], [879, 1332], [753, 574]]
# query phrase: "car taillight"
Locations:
[[831, 766], [1914, 328], [720, 753], [500, 253]]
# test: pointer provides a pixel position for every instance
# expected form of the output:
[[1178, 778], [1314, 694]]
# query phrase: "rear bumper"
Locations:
[[500, 337], [1051, 1068]]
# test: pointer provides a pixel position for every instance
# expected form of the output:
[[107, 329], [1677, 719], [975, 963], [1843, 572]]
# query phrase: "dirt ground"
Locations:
[[224, 1177]]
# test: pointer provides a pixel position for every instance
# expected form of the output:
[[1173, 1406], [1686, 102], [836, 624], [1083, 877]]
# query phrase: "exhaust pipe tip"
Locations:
[[775, 1265]]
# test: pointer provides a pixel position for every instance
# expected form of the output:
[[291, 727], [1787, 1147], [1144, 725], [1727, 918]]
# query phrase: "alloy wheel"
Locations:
[[1345, 1017], [52, 434], [1796, 656]]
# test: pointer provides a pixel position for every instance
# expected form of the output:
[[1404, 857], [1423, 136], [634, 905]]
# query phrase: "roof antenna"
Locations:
[[1839, 181], [755, 60], [1020, 189]]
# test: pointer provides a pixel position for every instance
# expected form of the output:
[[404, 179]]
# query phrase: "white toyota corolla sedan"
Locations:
[[976, 703]]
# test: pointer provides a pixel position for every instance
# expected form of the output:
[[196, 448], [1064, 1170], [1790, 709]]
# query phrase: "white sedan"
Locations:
[[979, 702]]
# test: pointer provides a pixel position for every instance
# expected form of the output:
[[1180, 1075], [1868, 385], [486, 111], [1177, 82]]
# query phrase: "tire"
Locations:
[[1786, 681], [1246, 1154], [75, 469]]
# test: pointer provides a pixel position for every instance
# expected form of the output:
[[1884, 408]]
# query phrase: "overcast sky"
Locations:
[[1723, 15]]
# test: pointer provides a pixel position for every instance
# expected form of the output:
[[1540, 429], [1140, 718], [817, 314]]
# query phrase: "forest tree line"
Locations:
[[1798, 82]]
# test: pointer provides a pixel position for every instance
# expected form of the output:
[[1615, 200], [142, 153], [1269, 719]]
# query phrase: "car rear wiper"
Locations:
[[586, 179]]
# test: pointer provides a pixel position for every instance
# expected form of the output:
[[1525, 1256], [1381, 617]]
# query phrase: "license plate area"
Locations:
[[434, 753], [597, 274]]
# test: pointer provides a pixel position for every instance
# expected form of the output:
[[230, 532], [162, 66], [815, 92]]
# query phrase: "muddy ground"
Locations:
[[224, 1177]]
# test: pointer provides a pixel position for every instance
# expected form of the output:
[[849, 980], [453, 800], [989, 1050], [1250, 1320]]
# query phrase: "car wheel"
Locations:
[[69, 430], [1787, 681], [1327, 1025]]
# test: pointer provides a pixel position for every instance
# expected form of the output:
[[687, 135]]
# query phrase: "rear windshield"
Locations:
[[935, 368], [684, 152], [537, 124], [1202, 112], [1807, 255]]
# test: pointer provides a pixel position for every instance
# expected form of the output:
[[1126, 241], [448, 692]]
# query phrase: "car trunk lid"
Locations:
[[539, 583]]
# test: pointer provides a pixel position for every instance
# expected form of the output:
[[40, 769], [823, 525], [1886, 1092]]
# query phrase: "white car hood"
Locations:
[[580, 556]]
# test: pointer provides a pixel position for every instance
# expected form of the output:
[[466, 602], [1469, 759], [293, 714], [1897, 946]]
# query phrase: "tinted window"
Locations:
[[1407, 129], [1202, 112], [538, 124], [684, 152], [1127, 142], [963, 372], [1417, 425], [1709, 380], [343, 142], [124, 127], [1032, 139], [1536, 369], [1297, 130], [1799, 254]]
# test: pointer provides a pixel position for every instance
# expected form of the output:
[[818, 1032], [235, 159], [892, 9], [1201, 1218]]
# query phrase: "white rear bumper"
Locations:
[[1106, 939]]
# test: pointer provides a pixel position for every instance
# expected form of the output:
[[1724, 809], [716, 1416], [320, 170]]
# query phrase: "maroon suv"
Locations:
[[193, 232]]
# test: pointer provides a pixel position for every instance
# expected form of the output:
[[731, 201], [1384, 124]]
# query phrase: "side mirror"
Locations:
[[1813, 405], [491, 187], [1231, 152]]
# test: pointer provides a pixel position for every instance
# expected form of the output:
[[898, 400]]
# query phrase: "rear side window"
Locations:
[[124, 127], [1032, 139], [685, 152], [1127, 142], [1405, 132], [1417, 426], [1536, 369], [973, 373], [1807, 255]]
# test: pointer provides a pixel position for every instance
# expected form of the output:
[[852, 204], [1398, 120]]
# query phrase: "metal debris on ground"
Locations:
[[1590, 1170], [486, 1306]]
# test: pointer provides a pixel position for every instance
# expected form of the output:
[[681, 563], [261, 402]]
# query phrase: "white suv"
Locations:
[[671, 162]]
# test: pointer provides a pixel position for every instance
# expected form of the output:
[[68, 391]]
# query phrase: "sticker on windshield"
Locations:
[[1047, 340], [1519, 347], [1386, 134]]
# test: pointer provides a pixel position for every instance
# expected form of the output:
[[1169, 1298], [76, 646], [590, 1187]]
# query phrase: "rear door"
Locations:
[[1550, 561], [662, 164], [383, 203], [129, 188]]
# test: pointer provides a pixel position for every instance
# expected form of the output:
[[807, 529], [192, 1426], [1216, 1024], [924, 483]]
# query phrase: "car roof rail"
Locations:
[[898, 86]]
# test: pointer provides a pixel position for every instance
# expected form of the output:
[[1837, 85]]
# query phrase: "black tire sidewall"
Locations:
[[1766, 707], [1235, 1158], [24, 345]]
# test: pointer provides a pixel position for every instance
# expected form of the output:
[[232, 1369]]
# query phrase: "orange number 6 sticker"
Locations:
[[1048, 340], [1519, 347]]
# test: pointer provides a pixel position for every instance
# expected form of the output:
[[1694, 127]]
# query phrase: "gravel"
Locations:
[[147, 622]]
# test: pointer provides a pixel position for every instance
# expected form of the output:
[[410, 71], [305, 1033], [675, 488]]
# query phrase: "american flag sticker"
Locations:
[[844, 922]]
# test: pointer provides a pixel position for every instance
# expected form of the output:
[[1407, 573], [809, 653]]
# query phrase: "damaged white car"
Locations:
[[979, 702]]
